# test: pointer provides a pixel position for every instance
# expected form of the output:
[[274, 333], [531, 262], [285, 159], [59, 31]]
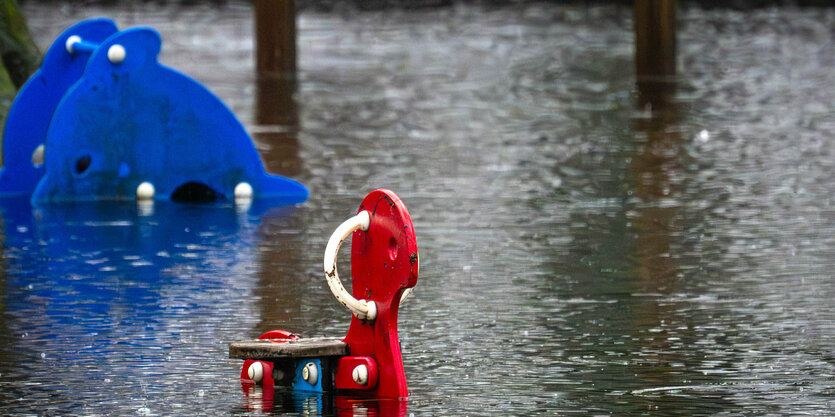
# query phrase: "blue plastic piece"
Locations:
[[120, 123], [29, 116]]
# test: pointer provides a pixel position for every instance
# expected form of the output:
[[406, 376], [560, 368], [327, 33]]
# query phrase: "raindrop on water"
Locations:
[[704, 136]]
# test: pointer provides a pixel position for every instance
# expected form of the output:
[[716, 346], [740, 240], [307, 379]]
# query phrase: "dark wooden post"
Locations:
[[275, 106], [275, 38], [655, 39]]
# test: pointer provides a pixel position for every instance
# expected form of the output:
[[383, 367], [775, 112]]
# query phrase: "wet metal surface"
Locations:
[[588, 247]]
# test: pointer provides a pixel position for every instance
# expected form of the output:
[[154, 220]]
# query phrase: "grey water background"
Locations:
[[587, 247]]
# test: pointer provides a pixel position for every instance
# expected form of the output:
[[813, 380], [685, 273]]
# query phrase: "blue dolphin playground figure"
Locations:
[[103, 119]]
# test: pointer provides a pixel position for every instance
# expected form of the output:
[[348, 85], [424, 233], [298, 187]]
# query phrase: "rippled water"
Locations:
[[588, 247]]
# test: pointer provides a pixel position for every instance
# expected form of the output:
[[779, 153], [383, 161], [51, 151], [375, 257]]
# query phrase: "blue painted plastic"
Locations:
[[137, 121], [109, 126], [84, 47], [299, 384], [29, 116]]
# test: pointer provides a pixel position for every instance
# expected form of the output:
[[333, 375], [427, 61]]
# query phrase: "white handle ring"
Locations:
[[364, 310]]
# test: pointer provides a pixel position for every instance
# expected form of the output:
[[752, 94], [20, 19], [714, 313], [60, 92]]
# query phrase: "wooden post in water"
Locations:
[[655, 39], [275, 38], [275, 64]]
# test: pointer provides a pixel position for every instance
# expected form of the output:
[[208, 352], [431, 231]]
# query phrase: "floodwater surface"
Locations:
[[587, 246]]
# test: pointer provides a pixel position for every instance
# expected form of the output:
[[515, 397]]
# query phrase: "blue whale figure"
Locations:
[[129, 122]]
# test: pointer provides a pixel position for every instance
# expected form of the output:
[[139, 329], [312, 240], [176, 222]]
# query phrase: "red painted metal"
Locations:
[[384, 263], [268, 373], [344, 378], [264, 400], [277, 336]]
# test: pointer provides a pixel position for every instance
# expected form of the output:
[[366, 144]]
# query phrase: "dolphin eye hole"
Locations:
[[81, 164]]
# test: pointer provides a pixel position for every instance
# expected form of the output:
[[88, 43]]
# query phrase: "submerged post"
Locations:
[[276, 112], [655, 39], [275, 38]]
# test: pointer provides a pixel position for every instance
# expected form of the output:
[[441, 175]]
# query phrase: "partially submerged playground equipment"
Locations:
[[103, 119], [385, 263]]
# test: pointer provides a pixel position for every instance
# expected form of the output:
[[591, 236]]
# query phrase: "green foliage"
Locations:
[[19, 55]]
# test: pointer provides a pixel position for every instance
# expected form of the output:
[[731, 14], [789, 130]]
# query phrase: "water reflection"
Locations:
[[269, 401], [358, 406], [652, 189], [112, 293], [655, 197], [283, 401], [275, 133], [276, 126]]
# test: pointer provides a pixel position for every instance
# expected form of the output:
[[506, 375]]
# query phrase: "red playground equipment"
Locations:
[[385, 263]]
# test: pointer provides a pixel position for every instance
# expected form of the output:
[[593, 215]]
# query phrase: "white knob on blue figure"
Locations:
[[37, 156], [72, 40], [310, 373], [145, 191], [243, 191], [116, 54]]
